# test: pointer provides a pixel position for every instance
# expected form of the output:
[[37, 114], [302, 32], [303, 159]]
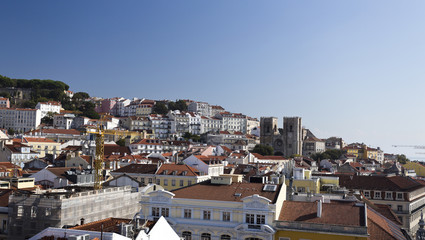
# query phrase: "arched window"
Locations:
[[205, 236], [225, 237], [187, 235]]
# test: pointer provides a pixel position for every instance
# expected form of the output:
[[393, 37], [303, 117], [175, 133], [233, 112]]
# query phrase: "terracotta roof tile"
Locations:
[[332, 213], [207, 191], [177, 169], [138, 168]]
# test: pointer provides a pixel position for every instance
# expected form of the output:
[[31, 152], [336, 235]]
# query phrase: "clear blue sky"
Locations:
[[352, 68]]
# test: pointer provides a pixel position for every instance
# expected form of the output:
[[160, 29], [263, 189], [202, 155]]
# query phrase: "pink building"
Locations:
[[106, 105], [4, 102]]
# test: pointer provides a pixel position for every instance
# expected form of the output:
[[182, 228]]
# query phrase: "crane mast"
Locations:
[[98, 162]]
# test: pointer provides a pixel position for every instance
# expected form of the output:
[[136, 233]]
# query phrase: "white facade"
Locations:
[[202, 108], [63, 121], [210, 124], [210, 167], [20, 119], [233, 121], [250, 218], [45, 107]]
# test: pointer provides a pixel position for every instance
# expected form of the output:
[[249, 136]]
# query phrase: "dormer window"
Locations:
[[165, 172], [377, 195], [184, 173]]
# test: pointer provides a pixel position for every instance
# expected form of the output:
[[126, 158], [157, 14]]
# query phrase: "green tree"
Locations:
[[121, 142], [48, 119], [401, 158], [160, 108], [80, 96], [332, 154], [264, 150]]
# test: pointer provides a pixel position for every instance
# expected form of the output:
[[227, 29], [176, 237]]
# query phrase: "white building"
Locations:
[[50, 106], [233, 121], [223, 208], [210, 124], [202, 108], [63, 121], [20, 119], [209, 165]]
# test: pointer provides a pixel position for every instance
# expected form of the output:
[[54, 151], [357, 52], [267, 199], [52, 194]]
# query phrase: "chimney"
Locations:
[[82, 221], [319, 208]]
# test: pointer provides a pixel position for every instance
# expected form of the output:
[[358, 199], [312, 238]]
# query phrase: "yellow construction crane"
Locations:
[[99, 156]]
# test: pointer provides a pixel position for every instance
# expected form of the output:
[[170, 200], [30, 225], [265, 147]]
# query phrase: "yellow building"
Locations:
[[418, 167], [41, 145], [174, 176], [303, 182], [169, 176]]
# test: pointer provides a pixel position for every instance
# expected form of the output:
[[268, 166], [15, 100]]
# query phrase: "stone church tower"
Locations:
[[287, 141], [292, 136]]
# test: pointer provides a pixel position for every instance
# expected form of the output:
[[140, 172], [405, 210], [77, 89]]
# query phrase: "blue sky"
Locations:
[[350, 68]]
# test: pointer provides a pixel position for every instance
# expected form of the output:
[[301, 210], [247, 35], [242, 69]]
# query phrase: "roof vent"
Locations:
[[238, 194]]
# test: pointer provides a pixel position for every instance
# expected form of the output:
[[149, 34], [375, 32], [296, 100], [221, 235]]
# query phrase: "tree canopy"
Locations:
[[33, 83], [332, 154], [264, 150]]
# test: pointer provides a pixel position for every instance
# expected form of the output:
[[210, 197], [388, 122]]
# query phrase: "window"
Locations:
[[155, 211], [181, 183], [400, 196], [205, 236], [261, 219], [225, 237], [399, 208], [226, 216], [400, 219], [187, 235], [388, 195], [284, 238], [142, 180], [173, 182], [158, 181], [48, 212], [377, 195], [249, 218], [165, 212], [150, 180], [187, 213], [33, 212], [366, 194], [20, 211], [189, 182], [165, 182], [207, 215]]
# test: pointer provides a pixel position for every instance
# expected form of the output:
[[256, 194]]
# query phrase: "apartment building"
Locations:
[[404, 195], [63, 121], [210, 125], [170, 176], [4, 102], [30, 213], [50, 106], [19, 119], [201, 108], [233, 121], [158, 146], [221, 208], [42, 146], [160, 125]]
